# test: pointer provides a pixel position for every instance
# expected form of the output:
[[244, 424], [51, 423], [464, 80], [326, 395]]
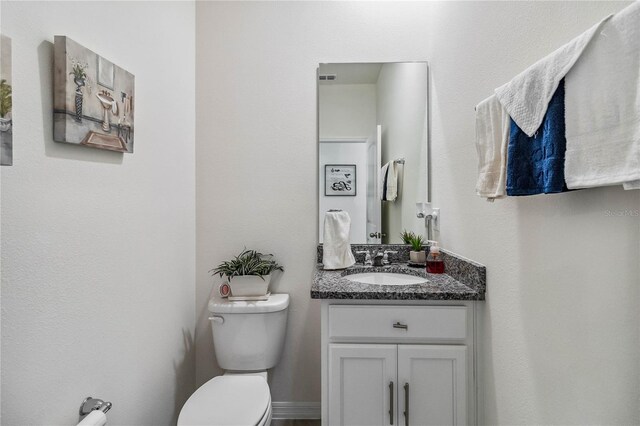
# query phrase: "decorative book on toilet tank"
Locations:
[[93, 99]]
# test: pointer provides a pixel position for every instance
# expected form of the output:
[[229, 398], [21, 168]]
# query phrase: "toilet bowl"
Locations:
[[248, 339]]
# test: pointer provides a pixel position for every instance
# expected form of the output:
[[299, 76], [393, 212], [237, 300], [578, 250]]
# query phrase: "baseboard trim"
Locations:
[[295, 410]]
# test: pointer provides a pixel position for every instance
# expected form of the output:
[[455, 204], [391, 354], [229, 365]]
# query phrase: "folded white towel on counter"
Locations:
[[602, 103], [336, 248], [527, 95], [492, 138], [389, 182]]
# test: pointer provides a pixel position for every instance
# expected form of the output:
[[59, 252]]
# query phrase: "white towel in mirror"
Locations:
[[389, 182]]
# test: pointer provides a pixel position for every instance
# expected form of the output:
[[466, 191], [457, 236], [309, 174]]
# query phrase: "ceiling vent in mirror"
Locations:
[[327, 77]]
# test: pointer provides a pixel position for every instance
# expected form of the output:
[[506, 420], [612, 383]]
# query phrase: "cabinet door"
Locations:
[[432, 385], [359, 384]]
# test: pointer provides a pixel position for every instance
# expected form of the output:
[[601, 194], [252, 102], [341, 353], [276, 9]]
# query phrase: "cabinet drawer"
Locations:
[[368, 323]]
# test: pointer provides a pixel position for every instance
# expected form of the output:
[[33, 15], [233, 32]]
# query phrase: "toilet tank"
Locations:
[[249, 336]]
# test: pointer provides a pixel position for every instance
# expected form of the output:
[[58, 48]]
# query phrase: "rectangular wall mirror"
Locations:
[[373, 125]]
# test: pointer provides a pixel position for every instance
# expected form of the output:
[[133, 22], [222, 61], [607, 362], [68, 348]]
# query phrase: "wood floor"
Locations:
[[295, 422]]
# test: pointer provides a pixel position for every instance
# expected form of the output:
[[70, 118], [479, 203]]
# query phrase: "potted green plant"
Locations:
[[407, 236], [5, 105], [417, 254], [249, 273]]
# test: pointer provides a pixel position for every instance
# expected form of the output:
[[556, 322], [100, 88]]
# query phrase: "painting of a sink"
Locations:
[[108, 104], [93, 101]]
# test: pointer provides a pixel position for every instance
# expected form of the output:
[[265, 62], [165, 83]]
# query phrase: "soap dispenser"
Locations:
[[435, 264]]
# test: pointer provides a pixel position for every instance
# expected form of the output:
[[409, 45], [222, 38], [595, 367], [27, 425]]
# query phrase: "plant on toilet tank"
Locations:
[[249, 273]]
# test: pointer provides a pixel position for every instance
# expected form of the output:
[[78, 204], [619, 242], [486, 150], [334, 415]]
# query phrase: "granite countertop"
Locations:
[[463, 280]]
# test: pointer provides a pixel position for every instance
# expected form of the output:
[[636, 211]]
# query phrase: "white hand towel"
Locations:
[[602, 100], [634, 184], [492, 139], [336, 249], [389, 182], [527, 95]]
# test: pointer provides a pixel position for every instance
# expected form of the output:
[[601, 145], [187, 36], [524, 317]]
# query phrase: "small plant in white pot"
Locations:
[[249, 273], [417, 254]]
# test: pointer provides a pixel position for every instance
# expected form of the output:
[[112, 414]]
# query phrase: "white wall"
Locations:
[[98, 248], [561, 324]]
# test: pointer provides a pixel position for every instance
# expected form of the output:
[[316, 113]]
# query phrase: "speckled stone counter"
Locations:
[[463, 279]]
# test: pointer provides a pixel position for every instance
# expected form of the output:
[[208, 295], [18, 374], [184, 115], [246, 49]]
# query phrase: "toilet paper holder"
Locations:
[[90, 404]]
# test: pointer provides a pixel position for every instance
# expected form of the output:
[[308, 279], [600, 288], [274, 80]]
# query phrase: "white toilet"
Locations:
[[248, 339]]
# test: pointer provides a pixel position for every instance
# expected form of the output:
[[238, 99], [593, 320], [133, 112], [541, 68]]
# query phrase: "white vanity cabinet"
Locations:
[[432, 383], [398, 363], [362, 382]]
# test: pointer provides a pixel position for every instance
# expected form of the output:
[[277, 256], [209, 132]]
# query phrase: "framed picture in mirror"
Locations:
[[340, 180]]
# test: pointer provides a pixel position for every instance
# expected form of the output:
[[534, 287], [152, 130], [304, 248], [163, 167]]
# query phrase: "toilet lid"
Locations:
[[228, 401]]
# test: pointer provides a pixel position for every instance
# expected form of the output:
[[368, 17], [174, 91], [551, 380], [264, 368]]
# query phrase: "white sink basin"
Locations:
[[385, 278]]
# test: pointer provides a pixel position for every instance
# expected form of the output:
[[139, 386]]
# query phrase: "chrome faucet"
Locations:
[[385, 258], [367, 258], [382, 258], [378, 259]]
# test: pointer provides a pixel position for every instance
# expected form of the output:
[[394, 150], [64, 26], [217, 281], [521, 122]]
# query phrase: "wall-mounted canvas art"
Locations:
[[93, 99], [6, 98]]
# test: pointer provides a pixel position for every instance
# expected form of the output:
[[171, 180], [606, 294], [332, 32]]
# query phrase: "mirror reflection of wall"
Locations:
[[371, 115]]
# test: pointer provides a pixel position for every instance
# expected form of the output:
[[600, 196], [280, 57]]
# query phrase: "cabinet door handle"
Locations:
[[399, 325], [391, 403], [406, 404]]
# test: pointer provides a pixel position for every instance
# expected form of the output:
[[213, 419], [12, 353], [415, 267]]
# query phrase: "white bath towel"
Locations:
[[336, 249], [602, 103], [389, 182], [492, 138], [527, 95]]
